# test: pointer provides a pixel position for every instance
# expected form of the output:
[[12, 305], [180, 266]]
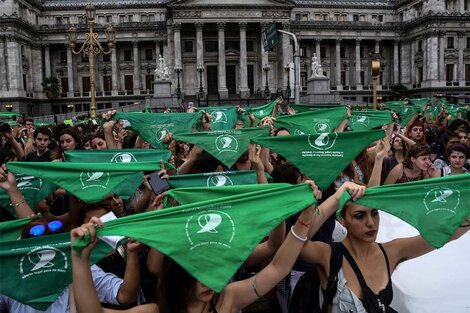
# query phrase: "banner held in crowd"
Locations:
[[299, 108], [215, 179], [212, 238], [312, 122], [264, 110], [226, 146], [153, 127], [90, 182], [367, 120], [223, 118], [435, 207], [321, 157]]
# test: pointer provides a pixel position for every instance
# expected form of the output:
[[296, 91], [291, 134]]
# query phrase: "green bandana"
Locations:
[[421, 102], [394, 105], [264, 110], [312, 122], [433, 111], [35, 271], [90, 182], [367, 120], [436, 207], [321, 157], [152, 127], [226, 146], [33, 189], [453, 110], [223, 118], [215, 179], [312, 107], [11, 230], [212, 238]]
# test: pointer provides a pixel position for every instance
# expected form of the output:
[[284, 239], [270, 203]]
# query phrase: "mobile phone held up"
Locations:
[[158, 184]]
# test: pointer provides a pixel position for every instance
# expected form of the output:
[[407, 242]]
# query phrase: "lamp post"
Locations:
[[375, 67], [266, 69], [178, 70], [90, 47], [287, 68], [9, 107], [200, 70], [70, 107]]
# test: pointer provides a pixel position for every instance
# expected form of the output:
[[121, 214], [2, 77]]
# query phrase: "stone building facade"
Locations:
[[424, 45]]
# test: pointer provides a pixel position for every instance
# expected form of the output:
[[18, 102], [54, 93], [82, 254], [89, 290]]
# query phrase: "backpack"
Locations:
[[305, 298]]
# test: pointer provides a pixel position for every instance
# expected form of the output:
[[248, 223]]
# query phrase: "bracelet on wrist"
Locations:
[[16, 204], [297, 236]]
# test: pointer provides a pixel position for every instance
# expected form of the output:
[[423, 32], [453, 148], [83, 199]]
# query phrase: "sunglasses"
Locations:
[[39, 230]]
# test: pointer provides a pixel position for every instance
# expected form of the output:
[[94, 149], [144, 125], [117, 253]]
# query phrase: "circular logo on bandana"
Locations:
[[322, 127], [225, 143], [360, 119], [28, 183], [219, 180], [442, 199], [43, 260], [123, 157], [219, 117], [323, 141], [94, 179], [210, 227], [298, 132], [161, 134]]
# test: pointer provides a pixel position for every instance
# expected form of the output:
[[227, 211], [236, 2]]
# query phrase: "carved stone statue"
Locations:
[[162, 72], [317, 70]]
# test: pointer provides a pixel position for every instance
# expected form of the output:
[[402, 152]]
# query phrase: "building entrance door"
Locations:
[[231, 79], [212, 80]]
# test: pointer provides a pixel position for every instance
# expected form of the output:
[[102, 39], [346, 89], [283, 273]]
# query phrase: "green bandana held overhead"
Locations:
[[212, 238], [226, 146], [435, 207], [90, 182], [35, 271], [215, 179], [321, 157], [153, 127], [223, 118], [264, 110], [33, 189], [11, 230], [299, 108], [127, 188], [312, 122], [367, 120]]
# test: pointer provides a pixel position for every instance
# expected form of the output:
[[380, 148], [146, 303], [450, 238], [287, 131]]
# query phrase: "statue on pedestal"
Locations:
[[162, 72], [317, 70]]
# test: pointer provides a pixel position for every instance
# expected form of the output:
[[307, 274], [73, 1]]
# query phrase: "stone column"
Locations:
[[157, 50], [286, 57], [29, 79], [425, 57], [338, 64], [462, 6], [396, 63], [3, 70], [461, 66], [13, 64], [70, 70], [432, 58], [177, 50], [114, 71], [47, 61], [137, 71], [358, 65], [264, 60], [223, 91], [442, 67], [405, 62], [36, 61], [244, 90], [377, 46], [199, 55], [412, 61], [317, 49]]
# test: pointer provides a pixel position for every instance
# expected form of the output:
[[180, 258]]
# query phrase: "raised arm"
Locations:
[[381, 151], [8, 183], [129, 289]]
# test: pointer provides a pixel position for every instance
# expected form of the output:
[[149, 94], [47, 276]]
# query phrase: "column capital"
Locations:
[[358, 41], [199, 26], [318, 41], [221, 25], [338, 41], [396, 42], [135, 43], [264, 25], [177, 26], [286, 26], [242, 25], [460, 34]]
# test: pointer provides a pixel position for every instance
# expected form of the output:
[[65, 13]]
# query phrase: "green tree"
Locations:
[[51, 89], [399, 92]]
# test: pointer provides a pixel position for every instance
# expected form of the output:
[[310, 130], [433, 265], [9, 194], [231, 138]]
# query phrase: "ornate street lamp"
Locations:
[[375, 68], [9, 107], [90, 47], [267, 92], [178, 70], [70, 107], [200, 70], [287, 68]]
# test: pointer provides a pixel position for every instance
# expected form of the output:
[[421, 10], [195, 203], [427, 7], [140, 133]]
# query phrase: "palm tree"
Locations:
[[51, 89]]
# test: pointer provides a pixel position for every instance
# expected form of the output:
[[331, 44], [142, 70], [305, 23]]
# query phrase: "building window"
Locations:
[[468, 42], [419, 9], [58, 20], [82, 19], [129, 82], [450, 42], [107, 83], [64, 85], [212, 46], [362, 78], [250, 46], [298, 17], [362, 18], [319, 17], [127, 55], [342, 52], [449, 72], [232, 45], [149, 82], [356, 17], [303, 52], [322, 52], [188, 46], [130, 18], [109, 19], [420, 45], [63, 57], [343, 78], [467, 72], [84, 57], [144, 18], [106, 57], [151, 17], [86, 84], [122, 18], [148, 54]]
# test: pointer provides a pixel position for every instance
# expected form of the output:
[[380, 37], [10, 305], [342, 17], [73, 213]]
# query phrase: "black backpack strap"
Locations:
[[336, 262]]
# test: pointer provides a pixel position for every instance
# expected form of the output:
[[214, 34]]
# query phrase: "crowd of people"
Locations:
[[138, 278]]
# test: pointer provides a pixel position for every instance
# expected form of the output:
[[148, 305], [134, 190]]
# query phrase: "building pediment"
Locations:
[[230, 3]]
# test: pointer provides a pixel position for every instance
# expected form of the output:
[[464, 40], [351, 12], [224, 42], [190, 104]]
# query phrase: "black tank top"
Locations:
[[386, 294]]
